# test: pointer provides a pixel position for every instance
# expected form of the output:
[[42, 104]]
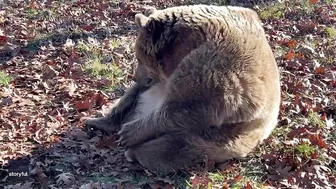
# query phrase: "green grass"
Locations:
[[275, 11], [305, 150], [278, 10], [331, 32], [251, 172], [96, 64], [329, 1], [98, 69], [218, 181], [281, 131], [31, 13], [115, 43], [217, 177], [307, 6], [315, 118], [5, 78], [83, 47]]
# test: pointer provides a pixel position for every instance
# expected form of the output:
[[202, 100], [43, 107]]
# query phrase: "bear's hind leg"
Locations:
[[167, 153]]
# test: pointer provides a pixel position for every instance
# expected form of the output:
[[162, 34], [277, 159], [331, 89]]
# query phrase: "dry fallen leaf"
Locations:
[[316, 139], [3, 40], [110, 141], [83, 105], [65, 179], [290, 55], [314, 1], [248, 186], [59, 55], [197, 181], [320, 70]]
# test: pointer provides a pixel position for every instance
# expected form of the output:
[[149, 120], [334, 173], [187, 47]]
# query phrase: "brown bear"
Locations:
[[207, 88]]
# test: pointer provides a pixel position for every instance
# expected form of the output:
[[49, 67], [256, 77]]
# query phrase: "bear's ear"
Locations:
[[141, 20], [149, 11], [155, 28]]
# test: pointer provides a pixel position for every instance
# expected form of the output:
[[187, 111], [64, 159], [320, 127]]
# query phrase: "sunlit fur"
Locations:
[[217, 93]]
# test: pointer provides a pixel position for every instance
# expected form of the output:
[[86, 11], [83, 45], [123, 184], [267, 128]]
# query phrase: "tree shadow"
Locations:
[[80, 158]]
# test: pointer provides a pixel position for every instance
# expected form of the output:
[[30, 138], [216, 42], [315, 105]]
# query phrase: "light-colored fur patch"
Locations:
[[273, 119], [128, 156], [151, 101]]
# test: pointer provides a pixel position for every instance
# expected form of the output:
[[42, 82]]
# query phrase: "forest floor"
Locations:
[[62, 61]]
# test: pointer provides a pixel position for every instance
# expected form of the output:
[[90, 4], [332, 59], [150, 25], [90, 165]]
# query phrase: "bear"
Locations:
[[215, 93]]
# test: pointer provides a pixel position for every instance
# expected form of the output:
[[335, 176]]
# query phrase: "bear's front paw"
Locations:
[[129, 135], [104, 124]]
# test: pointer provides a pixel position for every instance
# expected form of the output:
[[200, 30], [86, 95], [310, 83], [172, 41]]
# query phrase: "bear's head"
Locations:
[[163, 41]]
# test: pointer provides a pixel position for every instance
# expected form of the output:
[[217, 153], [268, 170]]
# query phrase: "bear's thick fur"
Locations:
[[216, 94]]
